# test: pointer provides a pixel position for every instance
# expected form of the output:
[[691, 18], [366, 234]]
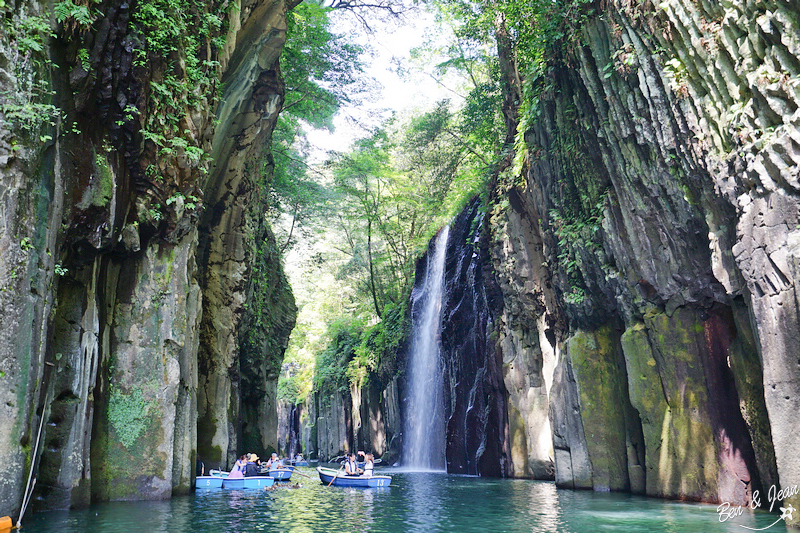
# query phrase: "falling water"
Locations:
[[424, 436]]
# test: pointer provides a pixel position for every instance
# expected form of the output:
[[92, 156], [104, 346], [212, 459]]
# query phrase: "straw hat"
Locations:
[[253, 457]]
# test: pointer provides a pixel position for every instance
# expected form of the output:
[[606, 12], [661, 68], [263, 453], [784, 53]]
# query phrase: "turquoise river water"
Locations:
[[414, 502]]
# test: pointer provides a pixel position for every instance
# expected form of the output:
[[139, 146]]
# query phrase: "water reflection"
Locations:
[[541, 506], [423, 502], [425, 507]]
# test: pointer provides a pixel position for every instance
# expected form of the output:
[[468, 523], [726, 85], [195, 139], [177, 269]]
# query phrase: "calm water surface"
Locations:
[[414, 502]]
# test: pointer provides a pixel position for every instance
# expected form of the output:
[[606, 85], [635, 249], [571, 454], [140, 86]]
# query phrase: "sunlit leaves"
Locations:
[[321, 69]]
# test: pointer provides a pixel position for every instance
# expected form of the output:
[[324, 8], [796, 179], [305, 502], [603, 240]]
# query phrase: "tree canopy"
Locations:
[[376, 205]]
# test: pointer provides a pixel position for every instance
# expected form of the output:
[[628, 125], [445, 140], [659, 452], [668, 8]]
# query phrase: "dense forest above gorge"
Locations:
[[621, 182]]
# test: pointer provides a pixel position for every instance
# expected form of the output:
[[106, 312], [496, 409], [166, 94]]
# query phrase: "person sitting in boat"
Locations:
[[351, 465], [299, 457], [251, 469], [238, 468], [369, 464], [274, 461]]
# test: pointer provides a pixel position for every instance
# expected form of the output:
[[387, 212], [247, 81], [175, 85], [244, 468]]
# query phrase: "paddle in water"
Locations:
[[337, 475]]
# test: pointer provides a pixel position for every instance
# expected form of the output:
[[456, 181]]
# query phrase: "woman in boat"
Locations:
[[351, 465], [238, 468], [369, 464], [252, 467]]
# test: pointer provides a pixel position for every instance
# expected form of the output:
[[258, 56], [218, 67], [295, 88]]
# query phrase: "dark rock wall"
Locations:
[[134, 249], [650, 252], [331, 424], [475, 396]]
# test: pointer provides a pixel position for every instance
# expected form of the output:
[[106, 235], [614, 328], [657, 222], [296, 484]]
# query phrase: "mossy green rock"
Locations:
[[696, 444], [609, 424]]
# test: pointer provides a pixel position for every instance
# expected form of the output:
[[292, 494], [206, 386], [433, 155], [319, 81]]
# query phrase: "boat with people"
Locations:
[[298, 460], [283, 473], [342, 460], [220, 479], [338, 478]]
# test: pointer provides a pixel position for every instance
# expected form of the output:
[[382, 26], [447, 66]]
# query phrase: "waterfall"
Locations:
[[424, 434]]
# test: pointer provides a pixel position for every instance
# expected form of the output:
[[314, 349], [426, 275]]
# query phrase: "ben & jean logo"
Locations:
[[726, 511]]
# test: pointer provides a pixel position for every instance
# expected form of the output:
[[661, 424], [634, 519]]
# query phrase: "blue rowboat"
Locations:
[[341, 480], [219, 473], [282, 474], [252, 482], [208, 482], [300, 463]]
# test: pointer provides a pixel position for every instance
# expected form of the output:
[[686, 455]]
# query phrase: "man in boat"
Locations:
[[274, 461]]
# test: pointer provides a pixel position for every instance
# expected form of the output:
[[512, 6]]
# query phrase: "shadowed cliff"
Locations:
[[133, 240]]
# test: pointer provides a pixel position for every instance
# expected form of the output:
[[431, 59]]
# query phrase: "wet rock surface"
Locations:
[[654, 235], [475, 395], [127, 260]]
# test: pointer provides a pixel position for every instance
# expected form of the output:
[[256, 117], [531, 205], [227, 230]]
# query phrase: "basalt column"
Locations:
[[233, 246], [124, 196], [659, 196]]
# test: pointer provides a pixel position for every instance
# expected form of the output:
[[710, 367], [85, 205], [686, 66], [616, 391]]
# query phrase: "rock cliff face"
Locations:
[[331, 424], [133, 247], [475, 396], [650, 253]]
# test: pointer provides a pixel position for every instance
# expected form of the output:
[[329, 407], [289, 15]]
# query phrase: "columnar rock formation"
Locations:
[[132, 241], [368, 417], [652, 252]]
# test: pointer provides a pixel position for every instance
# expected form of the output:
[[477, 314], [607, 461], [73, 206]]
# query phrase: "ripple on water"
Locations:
[[415, 502]]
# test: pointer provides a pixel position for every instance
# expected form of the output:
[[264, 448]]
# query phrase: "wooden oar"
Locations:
[[299, 473], [337, 475]]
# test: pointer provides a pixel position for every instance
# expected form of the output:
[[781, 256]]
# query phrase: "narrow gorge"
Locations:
[[624, 315], [620, 306]]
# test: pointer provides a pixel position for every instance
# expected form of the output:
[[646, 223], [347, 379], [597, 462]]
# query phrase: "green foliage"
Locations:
[[450, 151], [539, 33], [330, 370], [74, 15], [28, 107], [83, 58], [29, 34], [322, 71], [289, 389], [321, 68], [127, 414], [177, 36], [356, 352], [379, 343]]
